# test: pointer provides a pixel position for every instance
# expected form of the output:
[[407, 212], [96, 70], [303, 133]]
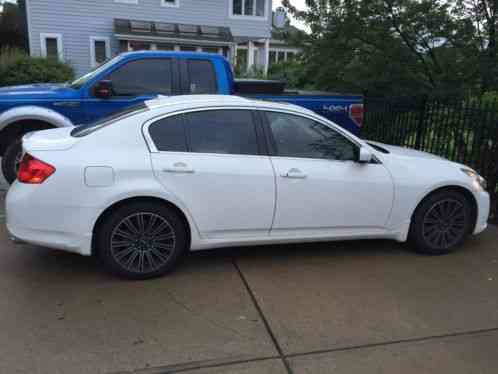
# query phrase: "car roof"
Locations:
[[166, 104]]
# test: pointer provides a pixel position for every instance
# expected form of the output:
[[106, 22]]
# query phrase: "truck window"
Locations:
[[202, 77], [143, 77]]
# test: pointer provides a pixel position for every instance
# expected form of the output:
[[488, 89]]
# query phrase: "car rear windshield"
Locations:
[[90, 128]]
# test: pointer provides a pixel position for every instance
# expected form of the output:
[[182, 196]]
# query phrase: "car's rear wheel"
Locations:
[[441, 223], [11, 160], [141, 240]]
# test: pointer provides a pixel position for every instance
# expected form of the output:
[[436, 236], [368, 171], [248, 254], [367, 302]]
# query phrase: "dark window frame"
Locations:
[[262, 149], [185, 78], [181, 118], [272, 145], [175, 79]]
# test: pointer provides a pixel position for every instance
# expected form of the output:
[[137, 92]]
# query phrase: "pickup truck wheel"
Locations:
[[11, 159]]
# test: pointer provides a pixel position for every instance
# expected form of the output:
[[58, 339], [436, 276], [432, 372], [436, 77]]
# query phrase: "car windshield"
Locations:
[[90, 128], [79, 82]]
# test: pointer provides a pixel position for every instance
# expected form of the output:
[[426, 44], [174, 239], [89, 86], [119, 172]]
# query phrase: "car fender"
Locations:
[[33, 112], [403, 224], [449, 183], [133, 192]]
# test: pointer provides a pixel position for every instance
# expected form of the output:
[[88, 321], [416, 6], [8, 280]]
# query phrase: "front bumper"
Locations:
[[483, 207]]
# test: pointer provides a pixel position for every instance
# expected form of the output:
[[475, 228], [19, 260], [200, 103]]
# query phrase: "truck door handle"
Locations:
[[179, 167], [67, 104], [294, 173]]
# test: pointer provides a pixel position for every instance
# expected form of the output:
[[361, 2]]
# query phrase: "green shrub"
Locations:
[[18, 68], [254, 72], [293, 73]]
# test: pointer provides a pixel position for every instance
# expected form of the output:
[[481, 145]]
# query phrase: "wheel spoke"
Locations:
[[151, 224], [163, 237], [131, 259], [123, 253], [130, 226], [125, 235]]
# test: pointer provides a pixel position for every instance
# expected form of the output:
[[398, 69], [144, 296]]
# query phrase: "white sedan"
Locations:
[[143, 187]]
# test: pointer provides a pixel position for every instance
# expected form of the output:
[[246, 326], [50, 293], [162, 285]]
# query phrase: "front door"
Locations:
[[212, 162], [321, 189]]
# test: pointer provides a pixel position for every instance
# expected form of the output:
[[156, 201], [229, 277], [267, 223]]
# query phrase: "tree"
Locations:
[[481, 17], [13, 26], [393, 47]]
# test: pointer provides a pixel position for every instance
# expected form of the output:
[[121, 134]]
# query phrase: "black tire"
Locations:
[[441, 223], [11, 158], [154, 253]]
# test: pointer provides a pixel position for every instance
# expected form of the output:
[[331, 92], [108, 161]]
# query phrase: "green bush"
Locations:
[[18, 68], [253, 73], [293, 73]]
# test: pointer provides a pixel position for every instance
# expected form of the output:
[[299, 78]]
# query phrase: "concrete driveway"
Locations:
[[364, 307]]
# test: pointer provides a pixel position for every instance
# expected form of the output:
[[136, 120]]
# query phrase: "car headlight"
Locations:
[[478, 180]]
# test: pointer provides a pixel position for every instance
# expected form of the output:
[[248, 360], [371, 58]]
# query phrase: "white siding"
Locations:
[[78, 20]]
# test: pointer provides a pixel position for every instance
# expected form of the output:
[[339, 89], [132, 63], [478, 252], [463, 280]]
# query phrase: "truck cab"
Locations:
[[131, 78]]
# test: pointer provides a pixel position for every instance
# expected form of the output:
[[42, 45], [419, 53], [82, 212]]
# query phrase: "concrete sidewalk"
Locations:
[[345, 307]]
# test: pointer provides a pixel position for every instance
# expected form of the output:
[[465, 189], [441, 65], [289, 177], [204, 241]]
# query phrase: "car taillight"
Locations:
[[356, 113], [33, 171]]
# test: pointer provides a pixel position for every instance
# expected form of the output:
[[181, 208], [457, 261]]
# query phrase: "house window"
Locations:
[[254, 8], [138, 46], [165, 47], [170, 3], [51, 46], [210, 49], [100, 50]]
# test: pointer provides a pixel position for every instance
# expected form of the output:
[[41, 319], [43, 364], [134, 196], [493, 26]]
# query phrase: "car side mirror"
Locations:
[[103, 89], [365, 156]]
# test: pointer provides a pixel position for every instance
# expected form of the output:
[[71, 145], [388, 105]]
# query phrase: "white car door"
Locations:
[[321, 189], [212, 161]]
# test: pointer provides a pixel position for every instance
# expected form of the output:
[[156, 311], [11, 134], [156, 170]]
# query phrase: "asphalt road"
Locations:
[[347, 308]]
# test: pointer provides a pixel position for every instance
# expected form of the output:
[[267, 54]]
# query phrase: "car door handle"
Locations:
[[179, 167], [294, 174]]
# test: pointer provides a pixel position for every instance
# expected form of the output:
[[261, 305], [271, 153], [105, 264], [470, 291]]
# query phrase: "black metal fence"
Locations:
[[465, 132]]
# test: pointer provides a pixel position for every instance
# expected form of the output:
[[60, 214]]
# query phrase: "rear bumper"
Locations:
[[483, 206], [62, 226]]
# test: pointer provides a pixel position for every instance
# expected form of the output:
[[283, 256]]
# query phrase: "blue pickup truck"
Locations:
[[131, 78]]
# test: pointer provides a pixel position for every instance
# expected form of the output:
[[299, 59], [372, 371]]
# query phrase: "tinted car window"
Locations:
[[202, 77], [297, 136], [142, 77], [168, 134], [222, 131]]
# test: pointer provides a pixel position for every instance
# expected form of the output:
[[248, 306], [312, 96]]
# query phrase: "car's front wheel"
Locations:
[[141, 240], [441, 223]]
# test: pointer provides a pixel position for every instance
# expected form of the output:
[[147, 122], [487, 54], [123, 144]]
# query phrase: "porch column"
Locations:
[[250, 55], [232, 56], [266, 53]]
